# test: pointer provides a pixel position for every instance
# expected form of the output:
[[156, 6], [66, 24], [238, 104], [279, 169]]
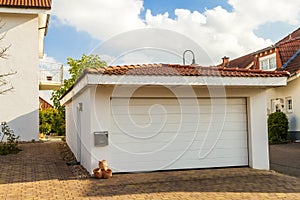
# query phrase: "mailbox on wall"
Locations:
[[101, 138]]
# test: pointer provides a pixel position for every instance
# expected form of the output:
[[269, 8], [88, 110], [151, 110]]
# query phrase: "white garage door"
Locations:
[[166, 133]]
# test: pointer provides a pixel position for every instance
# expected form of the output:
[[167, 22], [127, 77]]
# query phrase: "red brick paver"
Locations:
[[38, 172]]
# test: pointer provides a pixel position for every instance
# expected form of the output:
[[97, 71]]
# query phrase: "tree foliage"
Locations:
[[76, 69], [278, 126], [51, 122]]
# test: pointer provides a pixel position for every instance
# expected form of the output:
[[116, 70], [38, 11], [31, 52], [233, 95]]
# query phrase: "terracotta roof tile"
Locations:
[[182, 70], [293, 65], [294, 34], [45, 4], [287, 47], [241, 62]]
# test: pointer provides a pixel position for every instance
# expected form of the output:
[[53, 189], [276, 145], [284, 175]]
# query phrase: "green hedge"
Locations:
[[278, 126]]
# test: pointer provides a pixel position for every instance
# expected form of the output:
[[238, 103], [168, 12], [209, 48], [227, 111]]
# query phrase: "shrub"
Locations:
[[11, 144], [52, 121], [278, 126]]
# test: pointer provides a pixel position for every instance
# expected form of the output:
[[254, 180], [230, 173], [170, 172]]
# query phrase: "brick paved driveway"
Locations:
[[38, 172]]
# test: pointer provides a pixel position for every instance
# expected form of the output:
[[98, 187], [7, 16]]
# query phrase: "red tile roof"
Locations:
[[44, 104], [241, 62], [44, 4], [293, 65], [294, 34], [182, 70], [287, 47]]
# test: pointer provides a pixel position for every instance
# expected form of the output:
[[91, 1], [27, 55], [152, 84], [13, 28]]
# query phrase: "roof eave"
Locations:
[[25, 10], [217, 81]]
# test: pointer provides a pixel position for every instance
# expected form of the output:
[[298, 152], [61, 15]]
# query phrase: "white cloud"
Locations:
[[218, 31], [100, 18], [261, 11], [47, 62]]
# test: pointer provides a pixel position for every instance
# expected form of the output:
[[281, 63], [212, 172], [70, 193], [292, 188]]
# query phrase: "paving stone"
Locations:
[[39, 172]]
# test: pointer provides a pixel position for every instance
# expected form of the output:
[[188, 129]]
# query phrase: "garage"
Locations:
[[178, 133], [166, 116]]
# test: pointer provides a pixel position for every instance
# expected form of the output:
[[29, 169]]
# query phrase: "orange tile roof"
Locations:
[[241, 62], [287, 47], [44, 4], [294, 34], [182, 70]]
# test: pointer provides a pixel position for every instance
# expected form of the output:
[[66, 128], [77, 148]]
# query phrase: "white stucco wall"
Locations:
[[291, 90], [19, 107], [99, 105], [78, 127]]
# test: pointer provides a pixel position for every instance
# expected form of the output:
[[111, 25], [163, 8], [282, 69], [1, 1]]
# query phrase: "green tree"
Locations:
[[51, 122], [76, 69]]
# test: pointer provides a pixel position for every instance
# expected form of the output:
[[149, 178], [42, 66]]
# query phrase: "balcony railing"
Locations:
[[51, 76]]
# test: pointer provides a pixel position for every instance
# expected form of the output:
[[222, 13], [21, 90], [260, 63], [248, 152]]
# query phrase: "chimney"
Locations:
[[225, 60]]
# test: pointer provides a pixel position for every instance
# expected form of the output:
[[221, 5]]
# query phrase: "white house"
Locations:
[[162, 117], [24, 26], [282, 56]]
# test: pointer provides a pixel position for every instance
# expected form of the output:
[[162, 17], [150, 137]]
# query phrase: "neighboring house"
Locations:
[[282, 56], [162, 117], [24, 26], [44, 105]]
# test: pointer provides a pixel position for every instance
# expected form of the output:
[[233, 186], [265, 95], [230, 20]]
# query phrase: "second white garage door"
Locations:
[[165, 133]]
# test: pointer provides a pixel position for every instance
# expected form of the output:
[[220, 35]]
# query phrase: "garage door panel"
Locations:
[[213, 162], [168, 156], [180, 164], [144, 119], [155, 134], [177, 145], [158, 108], [215, 153], [182, 136], [175, 128]]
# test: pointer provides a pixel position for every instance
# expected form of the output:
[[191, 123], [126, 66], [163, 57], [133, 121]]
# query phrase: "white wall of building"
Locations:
[[100, 116], [291, 90], [281, 94], [19, 107], [78, 127]]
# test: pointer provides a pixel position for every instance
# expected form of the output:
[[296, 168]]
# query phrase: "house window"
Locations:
[[289, 104], [268, 62]]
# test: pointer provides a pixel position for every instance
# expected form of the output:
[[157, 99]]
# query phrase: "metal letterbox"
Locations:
[[101, 138]]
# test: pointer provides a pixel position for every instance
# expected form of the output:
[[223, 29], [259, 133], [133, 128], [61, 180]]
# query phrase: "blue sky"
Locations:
[[162, 6], [218, 27], [65, 39]]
